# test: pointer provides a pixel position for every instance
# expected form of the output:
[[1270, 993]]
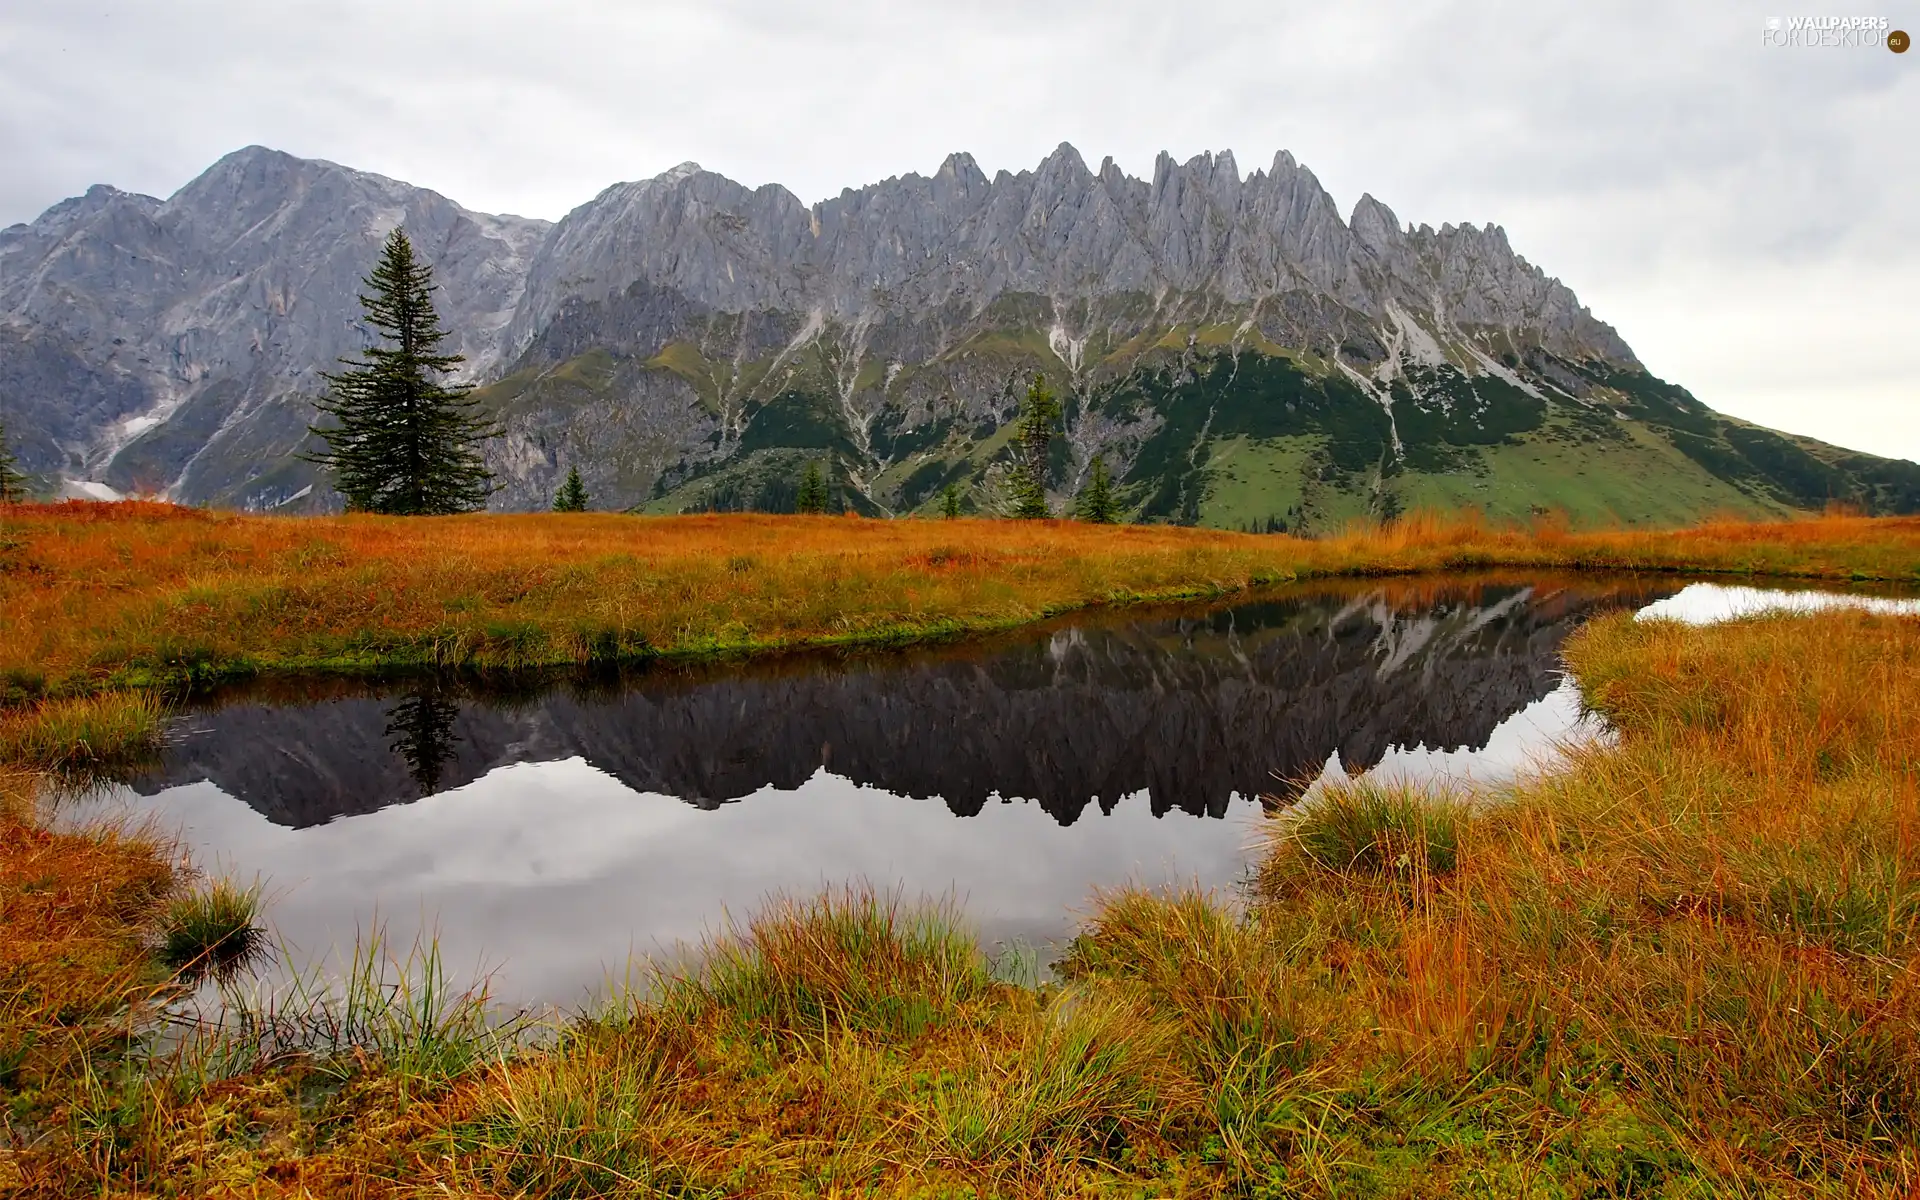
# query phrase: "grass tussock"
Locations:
[[1085, 1078], [1367, 827], [748, 1079], [212, 931], [83, 737], [400, 1010], [851, 958]]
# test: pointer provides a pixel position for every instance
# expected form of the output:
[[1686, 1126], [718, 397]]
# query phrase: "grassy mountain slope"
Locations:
[[1201, 423]]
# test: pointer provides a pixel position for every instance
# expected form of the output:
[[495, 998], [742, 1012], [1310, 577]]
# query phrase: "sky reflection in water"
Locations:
[[564, 831]]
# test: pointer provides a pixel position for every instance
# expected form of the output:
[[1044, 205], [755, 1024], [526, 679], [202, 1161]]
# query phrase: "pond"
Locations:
[[551, 833]]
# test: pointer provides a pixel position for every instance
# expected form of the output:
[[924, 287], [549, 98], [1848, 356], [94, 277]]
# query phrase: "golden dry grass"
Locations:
[[74, 964], [96, 595], [1685, 965]]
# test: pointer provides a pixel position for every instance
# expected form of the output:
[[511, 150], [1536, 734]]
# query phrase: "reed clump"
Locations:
[[851, 958], [212, 930]]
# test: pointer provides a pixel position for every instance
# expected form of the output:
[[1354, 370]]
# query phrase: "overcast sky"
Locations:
[[1747, 216]]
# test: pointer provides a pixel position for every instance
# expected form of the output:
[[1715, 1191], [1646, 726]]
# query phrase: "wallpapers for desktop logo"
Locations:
[[1833, 33]]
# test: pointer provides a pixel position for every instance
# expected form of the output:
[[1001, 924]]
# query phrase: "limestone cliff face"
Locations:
[[1193, 710], [875, 324], [916, 246]]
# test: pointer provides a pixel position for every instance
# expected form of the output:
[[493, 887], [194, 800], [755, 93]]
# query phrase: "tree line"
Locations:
[[1026, 490]]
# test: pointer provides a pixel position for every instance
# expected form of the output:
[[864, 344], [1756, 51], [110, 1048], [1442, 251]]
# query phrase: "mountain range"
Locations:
[[1239, 353]]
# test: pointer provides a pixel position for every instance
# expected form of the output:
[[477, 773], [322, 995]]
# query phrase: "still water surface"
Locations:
[[550, 835]]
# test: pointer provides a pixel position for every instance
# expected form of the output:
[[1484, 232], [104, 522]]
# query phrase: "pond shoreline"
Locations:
[[551, 826], [1520, 976], [146, 597]]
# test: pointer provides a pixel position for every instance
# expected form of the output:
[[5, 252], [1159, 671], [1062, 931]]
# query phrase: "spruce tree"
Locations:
[[572, 496], [813, 491], [13, 485], [950, 502], [1034, 439], [402, 441], [1097, 505]]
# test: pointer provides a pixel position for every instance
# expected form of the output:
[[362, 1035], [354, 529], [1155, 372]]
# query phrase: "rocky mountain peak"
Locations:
[[96, 199], [1376, 227], [1059, 230], [190, 314], [1066, 154]]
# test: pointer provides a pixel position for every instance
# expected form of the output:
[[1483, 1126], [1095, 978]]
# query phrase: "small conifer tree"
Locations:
[[813, 491], [572, 496], [13, 485], [950, 502], [1096, 504], [1034, 439], [401, 441]]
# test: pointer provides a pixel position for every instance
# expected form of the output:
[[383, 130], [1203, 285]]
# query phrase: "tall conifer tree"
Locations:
[[402, 441], [13, 485], [1035, 440]]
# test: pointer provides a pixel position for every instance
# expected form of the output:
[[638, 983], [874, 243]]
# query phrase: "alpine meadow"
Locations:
[[1056, 680]]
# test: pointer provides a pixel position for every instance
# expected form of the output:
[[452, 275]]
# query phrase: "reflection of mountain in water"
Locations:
[[1192, 709]]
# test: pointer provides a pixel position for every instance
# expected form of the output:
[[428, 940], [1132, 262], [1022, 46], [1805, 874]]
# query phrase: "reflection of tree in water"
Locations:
[[420, 730], [1191, 708]]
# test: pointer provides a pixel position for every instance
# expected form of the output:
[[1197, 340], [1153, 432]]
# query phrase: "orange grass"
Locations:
[[74, 962], [98, 595], [1685, 965]]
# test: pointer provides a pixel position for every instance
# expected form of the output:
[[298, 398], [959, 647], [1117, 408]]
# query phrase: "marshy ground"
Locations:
[[1682, 965]]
